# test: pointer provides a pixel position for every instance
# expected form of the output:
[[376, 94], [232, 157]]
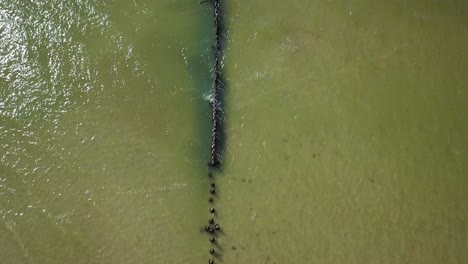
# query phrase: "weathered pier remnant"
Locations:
[[216, 89], [217, 129]]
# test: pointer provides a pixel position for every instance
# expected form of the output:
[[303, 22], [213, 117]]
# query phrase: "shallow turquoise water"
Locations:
[[346, 123]]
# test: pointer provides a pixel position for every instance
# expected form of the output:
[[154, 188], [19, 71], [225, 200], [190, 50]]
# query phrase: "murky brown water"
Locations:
[[347, 132]]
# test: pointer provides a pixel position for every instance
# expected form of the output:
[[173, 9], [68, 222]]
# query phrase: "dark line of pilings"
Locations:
[[213, 228], [216, 87]]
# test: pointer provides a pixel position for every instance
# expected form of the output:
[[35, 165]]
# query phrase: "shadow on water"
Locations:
[[223, 86], [199, 65]]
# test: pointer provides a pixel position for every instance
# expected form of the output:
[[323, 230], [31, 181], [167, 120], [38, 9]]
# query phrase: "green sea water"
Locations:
[[346, 125]]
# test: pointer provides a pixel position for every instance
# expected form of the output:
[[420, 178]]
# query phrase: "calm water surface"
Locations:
[[347, 132]]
